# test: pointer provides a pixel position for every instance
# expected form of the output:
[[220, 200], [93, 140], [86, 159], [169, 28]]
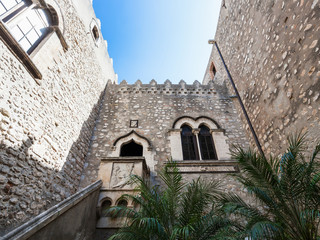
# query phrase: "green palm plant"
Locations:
[[178, 211], [287, 191]]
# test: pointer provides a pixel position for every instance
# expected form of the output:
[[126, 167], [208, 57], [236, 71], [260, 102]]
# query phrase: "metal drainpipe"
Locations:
[[240, 101]]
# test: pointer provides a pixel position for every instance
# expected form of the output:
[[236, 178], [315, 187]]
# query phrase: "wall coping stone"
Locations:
[[35, 224]]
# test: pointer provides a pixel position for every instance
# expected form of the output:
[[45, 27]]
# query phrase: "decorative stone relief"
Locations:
[[120, 176]]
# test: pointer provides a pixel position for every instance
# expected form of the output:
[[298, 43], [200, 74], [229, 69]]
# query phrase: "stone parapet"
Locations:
[[172, 89], [37, 227]]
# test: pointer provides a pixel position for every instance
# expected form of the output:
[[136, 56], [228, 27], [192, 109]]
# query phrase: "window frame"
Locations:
[[11, 10], [206, 137], [212, 70], [185, 141], [9, 40], [24, 16]]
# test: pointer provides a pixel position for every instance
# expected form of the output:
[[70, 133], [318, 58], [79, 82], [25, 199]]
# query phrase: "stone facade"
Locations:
[[60, 133], [157, 107], [46, 124], [272, 50], [151, 115]]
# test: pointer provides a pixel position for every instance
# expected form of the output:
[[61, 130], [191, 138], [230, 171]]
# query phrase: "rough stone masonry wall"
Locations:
[[46, 125], [272, 50], [157, 106]]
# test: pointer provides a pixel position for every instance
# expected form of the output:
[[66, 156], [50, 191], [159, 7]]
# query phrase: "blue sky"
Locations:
[[160, 40]]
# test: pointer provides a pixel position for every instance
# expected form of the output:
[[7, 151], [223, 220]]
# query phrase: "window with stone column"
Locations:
[[197, 139]]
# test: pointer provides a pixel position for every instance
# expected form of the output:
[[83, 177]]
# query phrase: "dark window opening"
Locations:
[[208, 151], [131, 149], [189, 144], [213, 71], [95, 33], [104, 207], [123, 203]]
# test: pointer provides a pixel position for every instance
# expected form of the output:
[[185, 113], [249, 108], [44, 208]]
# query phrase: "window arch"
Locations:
[[131, 149], [106, 204], [189, 143], [201, 135], [212, 71], [95, 33], [122, 202]]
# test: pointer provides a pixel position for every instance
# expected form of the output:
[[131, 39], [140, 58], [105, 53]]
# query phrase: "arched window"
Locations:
[[200, 138], [213, 71], [131, 149], [189, 144], [27, 23], [104, 207], [207, 149], [123, 203], [95, 33]]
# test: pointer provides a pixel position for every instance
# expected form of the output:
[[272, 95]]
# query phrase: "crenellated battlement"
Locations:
[[167, 88]]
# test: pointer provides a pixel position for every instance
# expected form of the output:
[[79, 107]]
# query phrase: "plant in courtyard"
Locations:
[[178, 211], [287, 191]]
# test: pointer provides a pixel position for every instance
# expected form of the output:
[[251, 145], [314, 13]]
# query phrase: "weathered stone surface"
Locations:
[[272, 51], [157, 107], [46, 125]]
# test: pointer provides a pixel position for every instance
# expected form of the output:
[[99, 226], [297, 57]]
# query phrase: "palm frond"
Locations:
[[287, 190], [196, 200]]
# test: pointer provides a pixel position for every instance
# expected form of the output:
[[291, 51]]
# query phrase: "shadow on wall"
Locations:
[[29, 185]]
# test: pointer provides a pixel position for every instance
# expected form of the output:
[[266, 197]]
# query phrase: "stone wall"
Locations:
[[46, 124], [157, 107], [272, 50]]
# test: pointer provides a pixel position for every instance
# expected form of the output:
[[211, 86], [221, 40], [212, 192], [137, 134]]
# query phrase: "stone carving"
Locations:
[[121, 173]]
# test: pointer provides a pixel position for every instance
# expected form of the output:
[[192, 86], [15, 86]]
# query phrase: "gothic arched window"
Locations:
[[207, 149], [131, 149], [104, 207], [189, 144], [200, 138]]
